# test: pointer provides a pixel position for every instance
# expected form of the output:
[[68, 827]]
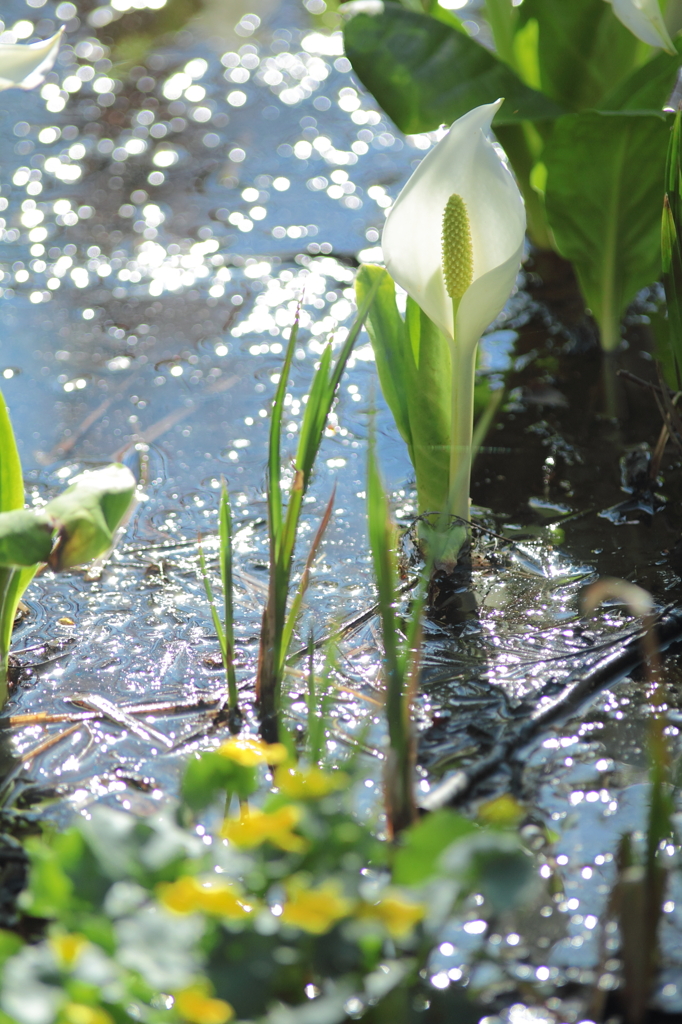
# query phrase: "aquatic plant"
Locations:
[[454, 241], [72, 529], [400, 658], [582, 124], [287, 906]]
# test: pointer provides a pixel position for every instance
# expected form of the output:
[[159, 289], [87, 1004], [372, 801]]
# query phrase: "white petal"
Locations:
[[644, 19], [464, 162], [26, 65]]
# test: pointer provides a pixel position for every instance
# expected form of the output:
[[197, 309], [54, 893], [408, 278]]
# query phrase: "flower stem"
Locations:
[[463, 361]]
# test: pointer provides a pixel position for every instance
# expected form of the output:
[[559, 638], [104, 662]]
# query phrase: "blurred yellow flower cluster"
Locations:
[[196, 1006], [314, 909], [67, 948], [249, 751], [309, 783], [254, 827], [82, 1013], [397, 915], [189, 894]]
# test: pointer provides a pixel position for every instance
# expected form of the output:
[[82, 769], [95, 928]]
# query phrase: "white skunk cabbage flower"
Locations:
[[486, 222], [644, 19], [25, 66]]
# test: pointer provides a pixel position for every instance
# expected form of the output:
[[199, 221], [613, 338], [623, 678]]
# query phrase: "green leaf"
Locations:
[[583, 49], [211, 774], [413, 364], [647, 88], [87, 514], [605, 174], [25, 537], [417, 859], [424, 73], [11, 480]]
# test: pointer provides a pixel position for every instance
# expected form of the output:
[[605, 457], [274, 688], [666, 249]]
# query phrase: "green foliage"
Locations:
[[283, 523], [671, 249], [417, 859], [240, 929], [73, 528], [611, 233], [425, 73], [413, 364], [583, 50], [604, 176]]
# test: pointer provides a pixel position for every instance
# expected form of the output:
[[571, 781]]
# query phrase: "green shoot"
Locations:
[[320, 692], [400, 659], [283, 523], [671, 251], [225, 629]]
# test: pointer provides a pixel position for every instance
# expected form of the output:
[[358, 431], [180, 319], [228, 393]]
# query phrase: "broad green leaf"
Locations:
[[647, 88], [11, 480], [605, 174], [424, 73], [211, 774], [87, 514], [583, 49], [417, 859], [25, 537]]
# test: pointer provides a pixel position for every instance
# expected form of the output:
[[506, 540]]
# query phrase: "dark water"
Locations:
[[184, 179]]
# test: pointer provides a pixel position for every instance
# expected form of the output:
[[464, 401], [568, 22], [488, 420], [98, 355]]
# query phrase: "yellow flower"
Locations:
[[249, 751], [67, 949], [503, 810], [317, 909], [397, 915], [199, 1008], [81, 1013], [254, 827], [189, 894], [308, 783]]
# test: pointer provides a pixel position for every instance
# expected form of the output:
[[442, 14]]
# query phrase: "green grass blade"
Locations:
[[274, 446], [225, 526], [297, 601], [211, 603]]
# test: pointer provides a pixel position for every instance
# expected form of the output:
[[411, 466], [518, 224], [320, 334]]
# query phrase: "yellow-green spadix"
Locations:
[[645, 20], [25, 65], [466, 164]]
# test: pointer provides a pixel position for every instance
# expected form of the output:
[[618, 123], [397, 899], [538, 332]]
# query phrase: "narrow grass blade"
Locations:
[[297, 601], [274, 452], [217, 625], [398, 776], [225, 526], [283, 532]]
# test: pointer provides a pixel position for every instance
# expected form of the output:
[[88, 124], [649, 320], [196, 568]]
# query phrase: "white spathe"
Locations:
[[465, 162], [25, 65], [644, 19]]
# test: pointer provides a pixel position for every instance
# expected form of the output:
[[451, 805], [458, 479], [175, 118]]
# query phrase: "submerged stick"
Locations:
[[578, 691]]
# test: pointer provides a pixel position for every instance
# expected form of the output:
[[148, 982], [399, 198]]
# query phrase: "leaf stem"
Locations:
[[463, 362]]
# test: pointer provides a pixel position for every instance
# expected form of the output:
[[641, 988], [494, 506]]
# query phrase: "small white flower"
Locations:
[[25, 66], [465, 162], [644, 19]]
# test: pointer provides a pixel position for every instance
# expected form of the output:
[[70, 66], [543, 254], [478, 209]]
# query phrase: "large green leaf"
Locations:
[[425, 73], [648, 87], [11, 481], [605, 174], [583, 49]]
